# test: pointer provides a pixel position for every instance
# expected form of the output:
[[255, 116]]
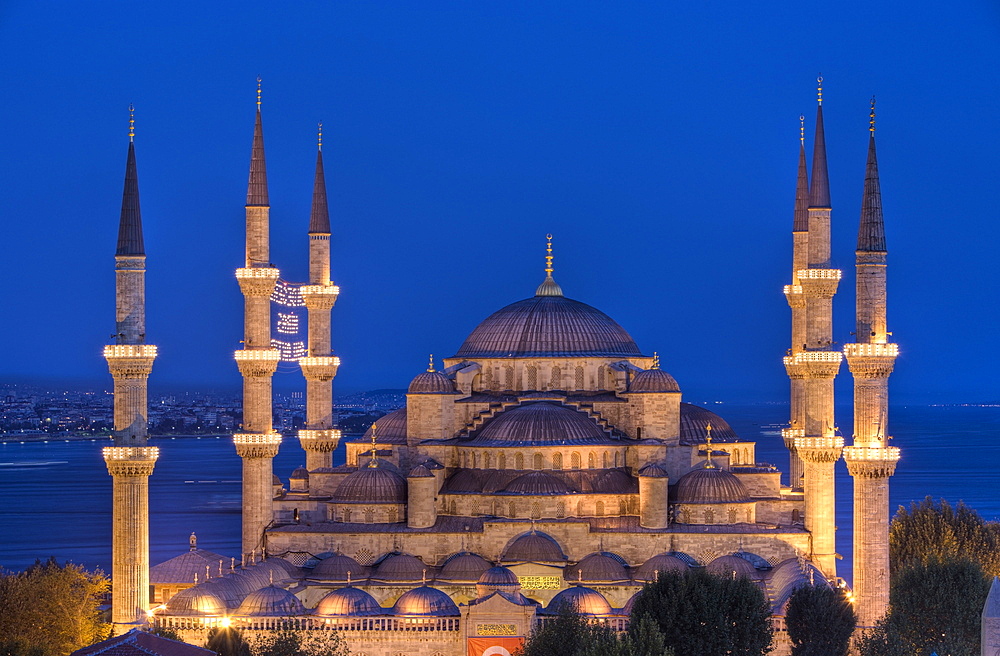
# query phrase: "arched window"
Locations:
[[749, 516], [347, 515], [734, 515], [709, 516], [454, 507], [475, 459], [574, 460], [556, 377], [590, 460], [519, 460], [622, 507], [796, 516], [538, 461], [502, 461], [606, 460], [579, 378], [512, 510], [369, 515], [536, 510], [616, 459], [488, 460], [579, 508], [509, 378], [561, 509], [556, 461], [599, 511], [532, 377]]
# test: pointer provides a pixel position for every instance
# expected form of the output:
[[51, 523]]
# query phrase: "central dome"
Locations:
[[548, 326]]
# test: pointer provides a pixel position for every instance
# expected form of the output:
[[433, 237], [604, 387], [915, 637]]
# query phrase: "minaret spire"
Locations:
[[819, 190], [549, 287], [871, 231], [800, 222], [257, 185], [130, 224], [319, 218]]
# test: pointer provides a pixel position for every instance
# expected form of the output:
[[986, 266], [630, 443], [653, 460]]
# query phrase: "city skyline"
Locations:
[[502, 126]]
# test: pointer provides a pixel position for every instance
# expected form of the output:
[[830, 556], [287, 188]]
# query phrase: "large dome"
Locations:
[[710, 485], [548, 326], [371, 485], [540, 424]]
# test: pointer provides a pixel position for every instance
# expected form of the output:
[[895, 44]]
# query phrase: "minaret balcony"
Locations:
[[789, 435], [319, 297], [871, 461], [321, 368], [257, 445], [130, 360], [871, 350], [871, 360], [819, 283], [819, 449], [324, 440], [794, 296], [257, 281], [813, 364], [130, 460], [257, 363]]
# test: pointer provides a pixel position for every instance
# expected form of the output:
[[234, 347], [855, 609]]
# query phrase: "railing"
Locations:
[[871, 350], [131, 452], [130, 351]]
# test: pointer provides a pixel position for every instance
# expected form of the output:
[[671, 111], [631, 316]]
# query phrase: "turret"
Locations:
[[130, 462]]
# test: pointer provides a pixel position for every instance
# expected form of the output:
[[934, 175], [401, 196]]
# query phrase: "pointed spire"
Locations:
[[130, 223], [819, 190], [319, 219], [871, 232], [257, 186], [549, 287], [800, 222]]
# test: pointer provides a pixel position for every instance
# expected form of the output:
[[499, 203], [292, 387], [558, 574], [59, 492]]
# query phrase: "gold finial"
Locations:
[[656, 360], [548, 256], [348, 578], [802, 128], [320, 144], [131, 130], [871, 118], [819, 89], [708, 447], [258, 93], [430, 365], [208, 572], [423, 577], [374, 461]]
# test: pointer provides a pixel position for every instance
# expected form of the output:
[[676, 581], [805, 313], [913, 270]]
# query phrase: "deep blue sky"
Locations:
[[656, 140]]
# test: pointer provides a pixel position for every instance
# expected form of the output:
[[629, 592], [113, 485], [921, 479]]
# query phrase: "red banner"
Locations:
[[494, 646]]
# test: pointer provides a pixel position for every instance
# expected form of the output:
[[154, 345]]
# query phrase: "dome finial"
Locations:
[[430, 365], [374, 461], [131, 122], [708, 447], [819, 89], [258, 93], [348, 578], [871, 118], [193, 541], [423, 577], [656, 361], [549, 287]]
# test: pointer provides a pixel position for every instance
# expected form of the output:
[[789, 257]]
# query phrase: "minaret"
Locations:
[[130, 462], [871, 461], [257, 443], [319, 438], [819, 447], [797, 302]]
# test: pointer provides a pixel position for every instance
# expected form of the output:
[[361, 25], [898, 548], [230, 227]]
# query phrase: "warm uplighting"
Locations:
[[329, 290], [257, 272], [881, 453], [792, 433], [320, 361], [819, 274], [871, 350], [131, 453], [272, 355], [833, 442], [324, 434], [257, 438], [225, 622], [130, 351], [793, 289]]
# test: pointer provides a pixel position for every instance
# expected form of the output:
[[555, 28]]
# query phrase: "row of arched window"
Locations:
[[489, 459]]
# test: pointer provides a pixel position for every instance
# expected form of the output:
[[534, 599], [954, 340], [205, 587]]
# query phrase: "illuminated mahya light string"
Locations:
[[288, 328]]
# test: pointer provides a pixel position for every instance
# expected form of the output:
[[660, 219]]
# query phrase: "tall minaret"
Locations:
[[319, 438], [870, 460], [819, 447], [130, 461], [258, 443], [796, 300]]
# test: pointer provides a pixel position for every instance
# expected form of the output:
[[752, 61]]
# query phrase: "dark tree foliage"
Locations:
[[934, 530], [288, 640], [165, 632], [820, 621], [50, 609], [933, 607], [227, 641], [570, 634], [700, 614]]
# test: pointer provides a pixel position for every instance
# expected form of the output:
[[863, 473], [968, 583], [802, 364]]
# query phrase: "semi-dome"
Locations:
[[537, 482], [548, 326], [371, 485], [348, 602], [464, 566], [391, 428], [710, 485], [534, 547], [732, 567], [541, 423], [431, 382], [694, 426], [663, 562], [653, 380], [226, 589], [271, 601], [498, 578], [197, 601], [400, 567], [426, 601], [585, 601], [420, 471], [338, 567], [653, 470], [600, 566]]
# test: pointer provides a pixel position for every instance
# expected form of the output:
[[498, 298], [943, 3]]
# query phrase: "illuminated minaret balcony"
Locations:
[[819, 283], [257, 445], [130, 360], [813, 364], [257, 363], [320, 441], [319, 297], [130, 460], [871, 360], [257, 281], [321, 368], [793, 294]]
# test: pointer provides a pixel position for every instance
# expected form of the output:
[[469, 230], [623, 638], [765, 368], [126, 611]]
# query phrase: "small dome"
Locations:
[[276, 570], [584, 600], [663, 562], [615, 481], [601, 566], [694, 426], [400, 567], [336, 568], [255, 578], [710, 485], [786, 577], [497, 578], [275, 480], [271, 601], [425, 601], [431, 382], [242, 583], [627, 608], [540, 424], [371, 485], [732, 566], [653, 380], [348, 602], [226, 589], [196, 601], [533, 546], [537, 482], [391, 429], [464, 566], [653, 470], [420, 471], [300, 473]]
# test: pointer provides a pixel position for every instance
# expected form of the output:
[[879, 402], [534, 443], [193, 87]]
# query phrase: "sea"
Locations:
[[55, 496]]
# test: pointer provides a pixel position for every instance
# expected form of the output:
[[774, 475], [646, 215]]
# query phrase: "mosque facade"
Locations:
[[550, 460]]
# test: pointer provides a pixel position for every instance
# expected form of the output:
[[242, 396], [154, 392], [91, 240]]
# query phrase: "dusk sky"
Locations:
[[656, 140]]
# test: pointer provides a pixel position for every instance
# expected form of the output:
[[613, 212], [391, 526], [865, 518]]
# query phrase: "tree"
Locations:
[[288, 640], [227, 641], [51, 609], [700, 614], [570, 634], [820, 621], [934, 530], [933, 606]]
